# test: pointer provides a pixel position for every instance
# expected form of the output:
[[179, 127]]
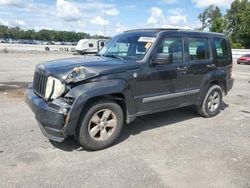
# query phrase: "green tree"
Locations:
[[3, 31], [235, 23], [44, 34], [29, 34], [211, 19], [218, 25], [238, 27]]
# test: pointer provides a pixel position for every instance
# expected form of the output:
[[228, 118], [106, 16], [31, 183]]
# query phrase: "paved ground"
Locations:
[[171, 149]]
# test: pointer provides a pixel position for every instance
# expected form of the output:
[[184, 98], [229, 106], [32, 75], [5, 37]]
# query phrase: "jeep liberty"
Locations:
[[136, 73]]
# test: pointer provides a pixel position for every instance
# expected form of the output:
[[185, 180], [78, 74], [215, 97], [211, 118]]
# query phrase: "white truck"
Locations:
[[89, 46]]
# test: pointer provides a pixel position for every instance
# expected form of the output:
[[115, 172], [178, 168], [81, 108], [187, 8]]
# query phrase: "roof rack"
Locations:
[[175, 29], [157, 29]]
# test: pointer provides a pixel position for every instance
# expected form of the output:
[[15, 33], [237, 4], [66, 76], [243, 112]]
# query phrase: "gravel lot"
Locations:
[[170, 149]]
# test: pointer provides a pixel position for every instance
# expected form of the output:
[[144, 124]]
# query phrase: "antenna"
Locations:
[[105, 20]]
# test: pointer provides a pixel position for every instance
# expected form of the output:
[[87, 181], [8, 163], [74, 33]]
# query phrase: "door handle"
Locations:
[[211, 66], [182, 68]]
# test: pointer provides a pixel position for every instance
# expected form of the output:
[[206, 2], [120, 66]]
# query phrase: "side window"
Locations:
[[198, 49], [221, 48], [172, 46], [91, 45]]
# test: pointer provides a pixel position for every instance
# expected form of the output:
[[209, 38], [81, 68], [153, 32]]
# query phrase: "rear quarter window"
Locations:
[[221, 48]]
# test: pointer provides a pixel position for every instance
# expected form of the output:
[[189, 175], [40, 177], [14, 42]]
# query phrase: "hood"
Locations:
[[101, 65]]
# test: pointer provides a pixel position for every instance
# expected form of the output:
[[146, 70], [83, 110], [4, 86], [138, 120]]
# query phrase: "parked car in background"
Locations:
[[245, 59], [136, 73]]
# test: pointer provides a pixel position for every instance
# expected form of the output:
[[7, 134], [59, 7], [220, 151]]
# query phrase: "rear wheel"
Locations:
[[101, 125], [211, 104]]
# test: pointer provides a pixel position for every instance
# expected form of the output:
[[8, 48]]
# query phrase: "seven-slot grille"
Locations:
[[39, 83]]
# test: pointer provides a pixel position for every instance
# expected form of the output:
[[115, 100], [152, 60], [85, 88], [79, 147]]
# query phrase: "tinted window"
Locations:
[[198, 49], [221, 48], [172, 46], [91, 45]]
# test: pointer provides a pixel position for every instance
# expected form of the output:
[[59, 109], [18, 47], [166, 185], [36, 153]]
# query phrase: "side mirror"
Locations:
[[162, 59]]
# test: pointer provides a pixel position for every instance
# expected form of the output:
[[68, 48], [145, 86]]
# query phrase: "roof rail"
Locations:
[[157, 29], [174, 29]]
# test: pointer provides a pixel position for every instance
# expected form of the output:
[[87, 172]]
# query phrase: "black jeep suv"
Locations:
[[136, 73]]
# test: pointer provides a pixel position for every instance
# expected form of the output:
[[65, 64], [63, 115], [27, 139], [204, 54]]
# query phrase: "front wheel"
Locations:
[[101, 125], [211, 104]]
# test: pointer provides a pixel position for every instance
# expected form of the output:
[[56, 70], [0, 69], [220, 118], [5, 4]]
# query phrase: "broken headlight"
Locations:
[[54, 88]]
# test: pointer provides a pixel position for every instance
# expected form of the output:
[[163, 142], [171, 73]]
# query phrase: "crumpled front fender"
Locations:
[[87, 91]]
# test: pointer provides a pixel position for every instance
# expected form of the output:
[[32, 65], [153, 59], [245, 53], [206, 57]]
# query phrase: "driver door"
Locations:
[[163, 85]]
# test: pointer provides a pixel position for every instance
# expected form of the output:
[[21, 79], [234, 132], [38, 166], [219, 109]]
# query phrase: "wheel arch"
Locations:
[[86, 94], [217, 77], [119, 98], [221, 83], [115, 97]]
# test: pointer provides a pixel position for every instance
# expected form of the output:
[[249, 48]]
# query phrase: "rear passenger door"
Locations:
[[199, 62]]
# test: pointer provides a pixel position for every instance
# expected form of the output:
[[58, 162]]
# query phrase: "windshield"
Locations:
[[129, 46]]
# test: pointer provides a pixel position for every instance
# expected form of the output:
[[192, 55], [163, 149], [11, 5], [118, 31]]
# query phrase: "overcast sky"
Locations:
[[88, 15]]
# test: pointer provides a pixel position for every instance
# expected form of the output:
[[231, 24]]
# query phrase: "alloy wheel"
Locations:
[[102, 125], [213, 101]]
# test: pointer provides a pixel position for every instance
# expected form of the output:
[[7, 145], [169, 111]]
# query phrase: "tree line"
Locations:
[[235, 23], [44, 35]]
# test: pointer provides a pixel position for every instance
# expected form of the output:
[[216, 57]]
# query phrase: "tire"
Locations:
[[211, 104], [101, 125]]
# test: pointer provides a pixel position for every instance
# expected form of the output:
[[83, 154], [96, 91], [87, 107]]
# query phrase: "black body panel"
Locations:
[[141, 86]]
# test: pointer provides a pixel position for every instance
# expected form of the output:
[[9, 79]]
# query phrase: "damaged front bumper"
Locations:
[[51, 116]]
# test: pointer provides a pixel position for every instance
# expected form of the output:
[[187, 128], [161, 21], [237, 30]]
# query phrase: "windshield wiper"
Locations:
[[112, 56]]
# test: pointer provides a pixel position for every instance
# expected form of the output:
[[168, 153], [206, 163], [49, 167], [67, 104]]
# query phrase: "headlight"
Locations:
[[54, 88], [79, 74]]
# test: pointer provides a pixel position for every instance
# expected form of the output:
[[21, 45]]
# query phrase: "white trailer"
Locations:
[[89, 46]]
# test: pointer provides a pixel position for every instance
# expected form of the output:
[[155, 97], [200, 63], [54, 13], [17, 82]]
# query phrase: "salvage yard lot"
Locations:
[[177, 148]]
